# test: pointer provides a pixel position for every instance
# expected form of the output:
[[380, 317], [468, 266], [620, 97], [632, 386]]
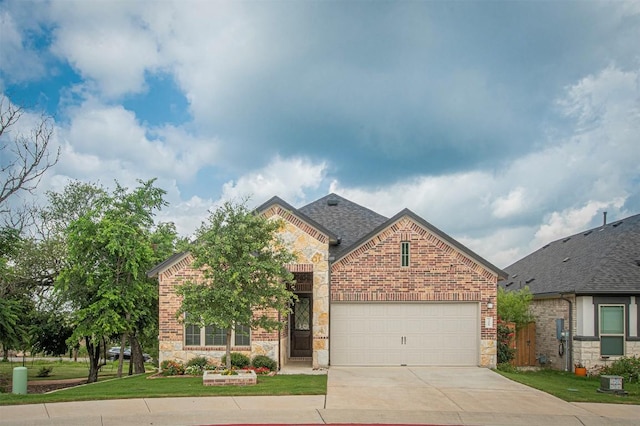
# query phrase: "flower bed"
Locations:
[[242, 378]]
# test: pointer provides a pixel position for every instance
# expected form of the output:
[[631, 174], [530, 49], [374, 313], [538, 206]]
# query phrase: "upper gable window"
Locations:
[[404, 253]]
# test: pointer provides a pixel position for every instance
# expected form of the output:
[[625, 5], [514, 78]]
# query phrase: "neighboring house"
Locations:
[[591, 280], [371, 291]]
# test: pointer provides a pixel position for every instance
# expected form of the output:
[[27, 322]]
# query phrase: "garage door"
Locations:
[[405, 334]]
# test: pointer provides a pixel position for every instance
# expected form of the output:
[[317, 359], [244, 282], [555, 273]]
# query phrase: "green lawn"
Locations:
[[572, 388], [62, 369], [143, 387]]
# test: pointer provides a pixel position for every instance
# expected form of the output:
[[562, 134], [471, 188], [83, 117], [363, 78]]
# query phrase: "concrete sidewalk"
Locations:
[[396, 395], [287, 410]]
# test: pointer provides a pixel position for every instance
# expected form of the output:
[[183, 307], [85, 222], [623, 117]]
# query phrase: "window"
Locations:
[[404, 253], [241, 335], [215, 336], [612, 330], [191, 335]]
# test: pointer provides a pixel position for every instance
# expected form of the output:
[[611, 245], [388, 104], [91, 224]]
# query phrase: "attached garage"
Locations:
[[387, 334]]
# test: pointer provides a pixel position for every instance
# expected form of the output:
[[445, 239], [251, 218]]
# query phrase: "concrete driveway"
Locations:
[[447, 395]]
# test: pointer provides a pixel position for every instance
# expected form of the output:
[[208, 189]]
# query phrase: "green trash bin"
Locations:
[[20, 380]]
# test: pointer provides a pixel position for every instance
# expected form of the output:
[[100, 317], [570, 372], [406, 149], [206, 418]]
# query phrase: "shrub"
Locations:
[[627, 367], [199, 361], [505, 335], [44, 372], [264, 361], [171, 368], [193, 370], [238, 360]]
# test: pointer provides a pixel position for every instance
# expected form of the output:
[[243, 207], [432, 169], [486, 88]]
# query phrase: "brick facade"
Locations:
[[437, 272]]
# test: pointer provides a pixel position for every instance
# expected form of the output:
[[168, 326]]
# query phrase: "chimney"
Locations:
[[604, 218]]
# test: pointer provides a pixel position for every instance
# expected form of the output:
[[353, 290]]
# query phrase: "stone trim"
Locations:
[[173, 269], [405, 297], [297, 222], [586, 338]]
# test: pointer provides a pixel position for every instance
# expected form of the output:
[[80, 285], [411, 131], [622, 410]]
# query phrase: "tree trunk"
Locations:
[[229, 348], [5, 355], [123, 342], [94, 359], [137, 360]]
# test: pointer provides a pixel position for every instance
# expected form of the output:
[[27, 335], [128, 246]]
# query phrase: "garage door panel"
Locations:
[[411, 334]]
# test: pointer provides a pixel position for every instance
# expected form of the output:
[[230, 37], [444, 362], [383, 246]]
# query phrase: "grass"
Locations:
[[141, 386], [572, 388], [62, 369]]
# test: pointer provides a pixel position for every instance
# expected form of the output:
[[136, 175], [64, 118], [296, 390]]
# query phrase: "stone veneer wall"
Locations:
[[437, 272], [545, 312], [312, 250]]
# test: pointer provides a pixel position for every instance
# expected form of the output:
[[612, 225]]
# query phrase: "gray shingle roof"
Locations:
[[347, 220], [601, 260]]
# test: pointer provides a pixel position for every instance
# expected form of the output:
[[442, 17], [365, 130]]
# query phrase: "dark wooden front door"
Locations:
[[301, 318]]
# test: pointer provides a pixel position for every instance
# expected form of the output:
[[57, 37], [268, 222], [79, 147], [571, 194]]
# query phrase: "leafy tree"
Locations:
[[109, 250], [513, 306], [244, 274]]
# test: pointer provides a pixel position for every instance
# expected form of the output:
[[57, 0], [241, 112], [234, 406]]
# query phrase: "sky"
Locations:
[[506, 124]]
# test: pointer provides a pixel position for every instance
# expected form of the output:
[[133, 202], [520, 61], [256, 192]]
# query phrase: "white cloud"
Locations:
[[18, 61], [102, 138], [106, 43], [572, 220], [513, 203], [287, 178]]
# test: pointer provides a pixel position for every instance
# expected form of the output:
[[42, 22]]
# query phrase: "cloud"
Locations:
[[105, 139], [19, 62], [288, 178], [110, 46]]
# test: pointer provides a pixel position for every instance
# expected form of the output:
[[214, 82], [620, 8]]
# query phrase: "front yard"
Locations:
[[142, 386], [572, 388]]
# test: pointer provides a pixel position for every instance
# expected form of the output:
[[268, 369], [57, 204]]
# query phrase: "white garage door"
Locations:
[[405, 334]]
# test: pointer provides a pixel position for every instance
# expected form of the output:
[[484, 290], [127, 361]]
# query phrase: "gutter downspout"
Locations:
[[569, 355]]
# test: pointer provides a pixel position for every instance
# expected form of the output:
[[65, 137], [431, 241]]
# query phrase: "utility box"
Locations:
[[20, 380], [612, 384]]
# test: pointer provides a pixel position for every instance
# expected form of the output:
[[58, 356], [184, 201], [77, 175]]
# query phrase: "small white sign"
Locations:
[[488, 322]]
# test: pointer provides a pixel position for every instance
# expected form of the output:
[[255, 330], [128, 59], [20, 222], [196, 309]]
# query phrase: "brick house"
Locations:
[[590, 281], [371, 290]]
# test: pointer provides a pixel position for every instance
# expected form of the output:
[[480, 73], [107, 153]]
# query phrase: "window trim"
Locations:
[[405, 254], [623, 335]]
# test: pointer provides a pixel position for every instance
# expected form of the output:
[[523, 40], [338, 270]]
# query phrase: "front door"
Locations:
[[301, 338]]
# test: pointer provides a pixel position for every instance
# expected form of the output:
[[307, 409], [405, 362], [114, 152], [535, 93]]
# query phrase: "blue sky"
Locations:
[[506, 124]]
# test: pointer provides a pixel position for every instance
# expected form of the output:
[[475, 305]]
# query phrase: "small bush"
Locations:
[[44, 372], [171, 368], [507, 367], [199, 361], [193, 370], [238, 360], [627, 367], [505, 336], [264, 361]]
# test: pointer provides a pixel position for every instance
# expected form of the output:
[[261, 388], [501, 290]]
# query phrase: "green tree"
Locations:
[[109, 250], [513, 306], [244, 274]]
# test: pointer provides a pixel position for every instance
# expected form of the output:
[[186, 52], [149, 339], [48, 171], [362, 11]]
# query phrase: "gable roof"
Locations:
[[440, 234], [347, 220], [300, 215], [601, 260], [161, 267]]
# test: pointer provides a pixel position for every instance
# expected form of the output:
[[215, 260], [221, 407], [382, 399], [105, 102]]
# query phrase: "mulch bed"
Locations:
[[43, 386]]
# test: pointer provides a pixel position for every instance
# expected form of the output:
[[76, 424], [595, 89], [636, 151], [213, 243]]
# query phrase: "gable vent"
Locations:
[[332, 202]]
